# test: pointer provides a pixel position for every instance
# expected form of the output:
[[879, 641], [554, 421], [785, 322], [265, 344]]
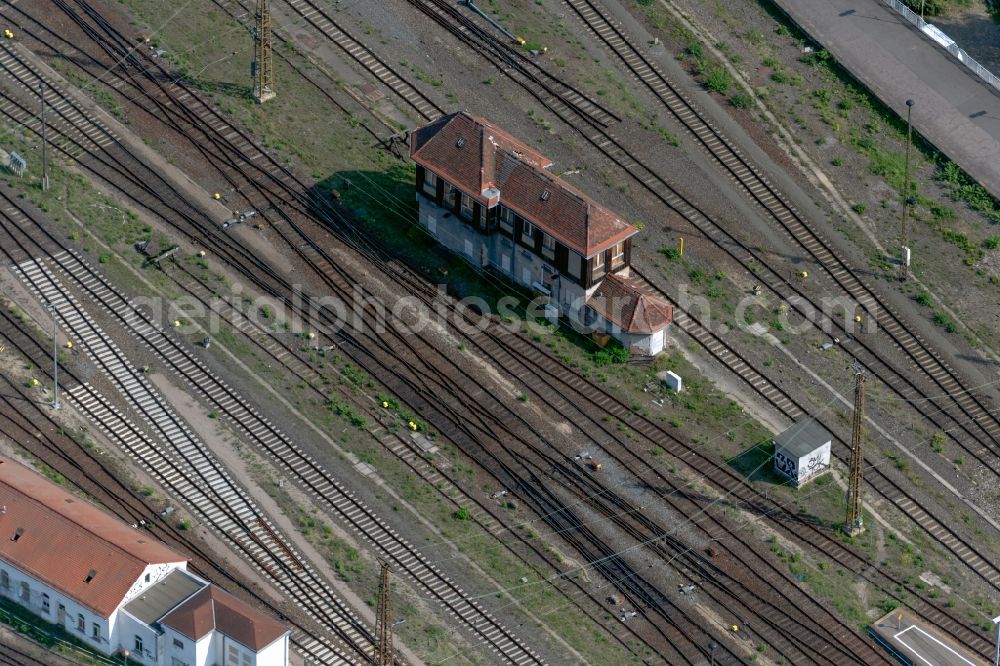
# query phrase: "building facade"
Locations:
[[802, 451], [491, 199], [114, 587]]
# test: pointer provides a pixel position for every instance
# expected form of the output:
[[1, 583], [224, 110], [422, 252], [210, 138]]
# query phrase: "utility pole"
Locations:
[[384, 652], [45, 140], [854, 524], [263, 64], [55, 358], [904, 254]]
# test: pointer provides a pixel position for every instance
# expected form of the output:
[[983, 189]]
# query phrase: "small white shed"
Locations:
[[802, 452]]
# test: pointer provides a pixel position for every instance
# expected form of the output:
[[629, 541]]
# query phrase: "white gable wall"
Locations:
[[37, 592], [275, 654], [177, 645], [128, 627]]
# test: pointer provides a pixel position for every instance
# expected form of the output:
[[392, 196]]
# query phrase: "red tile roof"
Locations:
[[629, 306], [211, 608], [64, 538], [474, 155]]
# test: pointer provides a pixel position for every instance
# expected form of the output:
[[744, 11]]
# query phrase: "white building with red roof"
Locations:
[[488, 197], [116, 588]]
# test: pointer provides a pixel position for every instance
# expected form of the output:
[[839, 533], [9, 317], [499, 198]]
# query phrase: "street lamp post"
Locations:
[[55, 359], [904, 255], [125, 654], [711, 650]]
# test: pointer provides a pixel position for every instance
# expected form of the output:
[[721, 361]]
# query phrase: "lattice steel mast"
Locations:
[[854, 524], [383, 620], [263, 63]]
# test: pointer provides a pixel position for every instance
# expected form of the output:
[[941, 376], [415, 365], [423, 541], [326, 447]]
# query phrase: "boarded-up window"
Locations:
[[573, 262]]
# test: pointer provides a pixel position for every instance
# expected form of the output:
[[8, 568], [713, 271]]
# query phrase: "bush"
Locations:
[[611, 354], [858, 208], [741, 100], [462, 514], [718, 80], [694, 50]]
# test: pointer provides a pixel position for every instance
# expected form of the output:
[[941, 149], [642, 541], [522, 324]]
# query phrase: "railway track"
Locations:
[[896, 380], [320, 19], [256, 429], [974, 418], [21, 657], [925, 518], [190, 470], [88, 469], [490, 628]]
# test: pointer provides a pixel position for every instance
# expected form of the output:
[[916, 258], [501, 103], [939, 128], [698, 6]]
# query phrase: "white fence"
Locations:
[[945, 41]]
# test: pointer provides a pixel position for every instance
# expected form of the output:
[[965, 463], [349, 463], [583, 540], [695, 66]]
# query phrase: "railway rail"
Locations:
[[490, 629], [974, 418], [255, 427], [189, 469], [54, 447]]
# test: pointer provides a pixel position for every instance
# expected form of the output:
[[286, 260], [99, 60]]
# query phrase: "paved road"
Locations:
[[955, 109]]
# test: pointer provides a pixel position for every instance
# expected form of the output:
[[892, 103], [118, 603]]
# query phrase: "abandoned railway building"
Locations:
[[116, 589], [491, 199], [802, 451]]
